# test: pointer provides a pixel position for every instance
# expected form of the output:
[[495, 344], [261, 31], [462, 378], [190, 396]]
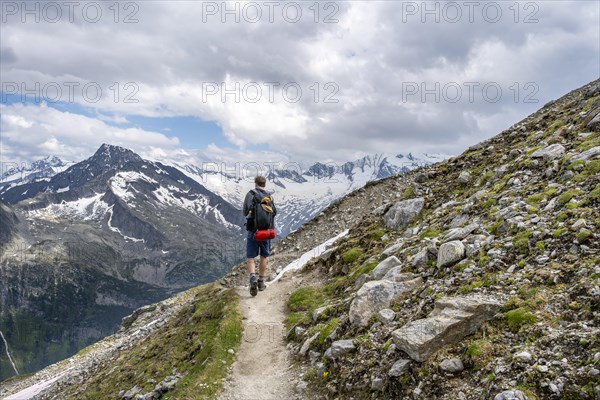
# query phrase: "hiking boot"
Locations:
[[253, 285], [261, 284]]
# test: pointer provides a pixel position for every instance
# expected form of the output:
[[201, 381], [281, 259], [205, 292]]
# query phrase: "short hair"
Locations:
[[260, 181]]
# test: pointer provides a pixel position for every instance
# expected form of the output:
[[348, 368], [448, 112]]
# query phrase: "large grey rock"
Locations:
[[393, 273], [459, 220], [464, 177], [591, 153], [452, 365], [326, 255], [377, 384], [341, 347], [511, 395], [383, 267], [374, 296], [386, 315], [306, 345], [399, 367], [131, 392], [460, 233], [551, 152], [451, 320], [594, 124], [393, 248], [450, 253], [420, 259], [403, 213]]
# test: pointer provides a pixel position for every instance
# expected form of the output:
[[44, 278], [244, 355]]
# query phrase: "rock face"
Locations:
[[374, 296], [551, 152], [450, 253], [452, 319], [403, 213]]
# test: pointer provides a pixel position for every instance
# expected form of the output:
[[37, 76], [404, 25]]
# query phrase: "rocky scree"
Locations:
[[475, 278]]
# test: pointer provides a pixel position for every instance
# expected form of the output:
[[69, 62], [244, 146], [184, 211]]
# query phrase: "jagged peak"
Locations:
[[111, 153]]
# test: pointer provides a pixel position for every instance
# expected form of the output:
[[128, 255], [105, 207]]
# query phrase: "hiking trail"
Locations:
[[262, 370]]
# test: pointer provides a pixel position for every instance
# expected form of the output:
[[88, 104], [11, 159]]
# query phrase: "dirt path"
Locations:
[[262, 370]]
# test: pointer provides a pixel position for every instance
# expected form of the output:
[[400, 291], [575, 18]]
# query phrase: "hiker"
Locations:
[[260, 212]]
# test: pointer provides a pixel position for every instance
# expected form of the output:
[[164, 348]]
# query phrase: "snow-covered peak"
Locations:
[[17, 174]]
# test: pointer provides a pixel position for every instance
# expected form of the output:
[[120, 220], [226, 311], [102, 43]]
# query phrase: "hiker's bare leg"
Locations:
[[263, 266], [250, 265]]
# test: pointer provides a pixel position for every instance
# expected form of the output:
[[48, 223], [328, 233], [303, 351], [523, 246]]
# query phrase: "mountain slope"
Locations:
[[105, 236], [475, 278]]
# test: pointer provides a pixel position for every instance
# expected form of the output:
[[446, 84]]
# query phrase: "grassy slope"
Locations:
[[195, 343]]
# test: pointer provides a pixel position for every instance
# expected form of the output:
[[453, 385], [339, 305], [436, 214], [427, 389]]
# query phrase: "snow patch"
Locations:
[[86, 208], [306, 257], [120, 183]]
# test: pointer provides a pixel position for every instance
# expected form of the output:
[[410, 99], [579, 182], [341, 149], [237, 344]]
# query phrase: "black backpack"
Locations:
[[263, 212]]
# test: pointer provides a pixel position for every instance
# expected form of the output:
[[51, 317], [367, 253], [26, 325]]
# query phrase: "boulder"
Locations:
[[511, 395], [306, 345], [383, 267], [326, 255], [594, 124], [374, 296], [341, 347], [550, 153], [460, 233], [452, 365], [128, 395], [377, 384], [464, 177], [450, 253], [451, 320], [420, 259], [399, 368], [524, 356], [393, 248], [586, 155], [459, 220], [386, 315], [403, 213]]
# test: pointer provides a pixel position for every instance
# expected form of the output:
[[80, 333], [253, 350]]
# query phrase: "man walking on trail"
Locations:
[[255, 198]]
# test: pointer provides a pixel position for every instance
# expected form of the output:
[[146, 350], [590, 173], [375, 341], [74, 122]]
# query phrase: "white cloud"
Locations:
[[170, 55], [30, 132]]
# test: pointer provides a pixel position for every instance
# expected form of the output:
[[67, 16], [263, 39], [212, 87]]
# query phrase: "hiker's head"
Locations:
[[260, 181]]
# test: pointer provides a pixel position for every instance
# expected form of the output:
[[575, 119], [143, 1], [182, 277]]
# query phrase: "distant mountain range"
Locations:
[[302, 194], [14, 174]]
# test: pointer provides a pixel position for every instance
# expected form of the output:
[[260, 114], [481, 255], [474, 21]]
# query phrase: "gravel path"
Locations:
[[262, 369]]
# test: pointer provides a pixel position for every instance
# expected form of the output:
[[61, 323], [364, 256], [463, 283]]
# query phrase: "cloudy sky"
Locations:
[[283, 81]]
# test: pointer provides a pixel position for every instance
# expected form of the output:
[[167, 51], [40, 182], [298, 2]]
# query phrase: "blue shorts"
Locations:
[[254, 248]]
